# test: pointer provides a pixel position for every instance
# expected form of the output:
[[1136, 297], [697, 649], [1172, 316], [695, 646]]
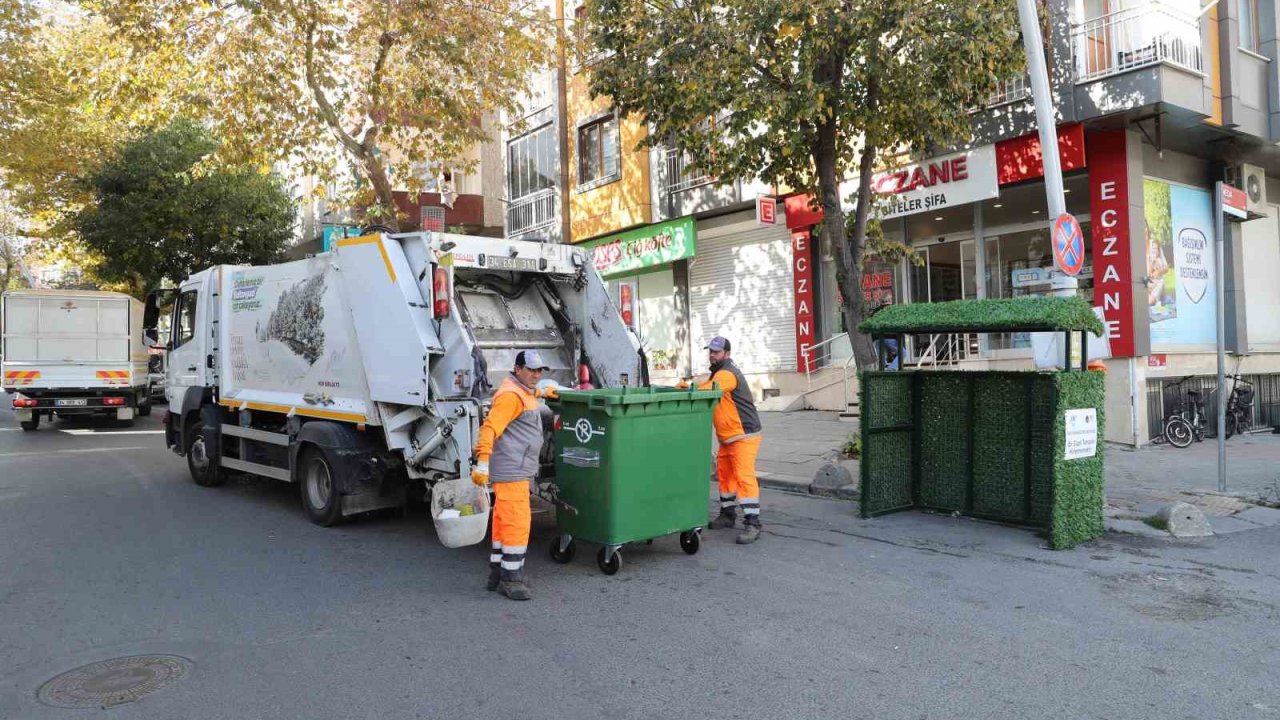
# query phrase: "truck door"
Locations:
[[186, 347]]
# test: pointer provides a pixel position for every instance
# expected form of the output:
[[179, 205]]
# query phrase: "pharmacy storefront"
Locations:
[[646, 270]]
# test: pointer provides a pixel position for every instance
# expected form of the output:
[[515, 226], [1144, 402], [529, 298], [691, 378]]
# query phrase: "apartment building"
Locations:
[[1157, 100]]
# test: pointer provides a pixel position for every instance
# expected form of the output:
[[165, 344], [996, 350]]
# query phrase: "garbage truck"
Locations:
[[362, 374], [69, 352]]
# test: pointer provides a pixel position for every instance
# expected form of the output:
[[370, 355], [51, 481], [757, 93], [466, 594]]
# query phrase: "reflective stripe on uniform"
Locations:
[[510, 565], [728, 500]]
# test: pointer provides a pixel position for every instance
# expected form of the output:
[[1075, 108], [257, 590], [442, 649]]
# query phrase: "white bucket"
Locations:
[[465, 530]]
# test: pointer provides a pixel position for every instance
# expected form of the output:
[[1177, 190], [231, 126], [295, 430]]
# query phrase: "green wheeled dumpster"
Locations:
[[632, 464]]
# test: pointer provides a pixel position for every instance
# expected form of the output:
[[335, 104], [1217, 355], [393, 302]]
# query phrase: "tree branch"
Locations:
[[327, 111]]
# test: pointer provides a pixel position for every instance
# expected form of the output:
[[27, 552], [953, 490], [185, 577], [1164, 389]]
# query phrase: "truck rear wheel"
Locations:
[[33, 424], [144, 403], [319, 487], [203, 469]]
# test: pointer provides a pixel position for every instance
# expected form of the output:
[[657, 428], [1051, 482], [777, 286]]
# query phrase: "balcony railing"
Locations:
[[1150, 34], [681, 175], [1011, 90], [531, 212]]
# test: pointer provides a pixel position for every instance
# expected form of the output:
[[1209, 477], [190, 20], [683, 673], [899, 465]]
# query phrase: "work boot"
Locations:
[[750, 533], [514, 589], [495, 576], [727, 519]]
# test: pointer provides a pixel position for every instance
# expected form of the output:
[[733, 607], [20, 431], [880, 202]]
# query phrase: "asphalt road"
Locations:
[[107, 549]]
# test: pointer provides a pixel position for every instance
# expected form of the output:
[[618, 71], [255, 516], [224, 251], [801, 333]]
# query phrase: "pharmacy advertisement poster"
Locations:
[[1180, 264]]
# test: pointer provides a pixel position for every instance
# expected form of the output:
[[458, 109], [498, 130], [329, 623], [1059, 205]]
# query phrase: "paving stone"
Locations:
[[1258, 515], [1226, 525]]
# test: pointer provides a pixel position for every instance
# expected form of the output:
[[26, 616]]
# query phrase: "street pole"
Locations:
[[1219, 231], [1037, 70]]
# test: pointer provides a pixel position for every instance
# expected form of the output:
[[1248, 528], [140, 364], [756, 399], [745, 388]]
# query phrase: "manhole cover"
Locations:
[[113, 682]]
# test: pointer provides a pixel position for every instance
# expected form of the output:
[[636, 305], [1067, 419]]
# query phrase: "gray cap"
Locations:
[[531, 359]]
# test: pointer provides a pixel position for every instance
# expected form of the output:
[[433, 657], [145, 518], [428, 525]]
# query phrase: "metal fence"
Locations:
[[531, 212], [1148, 34], [1011, 90], [681, 174], [1164, 395]]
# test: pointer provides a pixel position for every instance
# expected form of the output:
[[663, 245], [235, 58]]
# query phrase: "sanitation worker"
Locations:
[[738, 431], [507, 455]]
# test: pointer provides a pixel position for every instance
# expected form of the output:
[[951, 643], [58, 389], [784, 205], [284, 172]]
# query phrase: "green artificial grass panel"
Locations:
[[990, 315], [1079, 485]]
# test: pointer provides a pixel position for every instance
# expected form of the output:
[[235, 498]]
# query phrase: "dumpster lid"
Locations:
[[1030, 314], [635, 395]]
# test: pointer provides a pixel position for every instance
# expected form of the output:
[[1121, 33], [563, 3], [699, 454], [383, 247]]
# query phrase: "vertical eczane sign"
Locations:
[[802, 280], [1112, 263]]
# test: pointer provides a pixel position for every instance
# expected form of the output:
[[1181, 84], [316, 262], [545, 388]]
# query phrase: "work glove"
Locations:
[[682, 385], [549, 392], [480, 473]]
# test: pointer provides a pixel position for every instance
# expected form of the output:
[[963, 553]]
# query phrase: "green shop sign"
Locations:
[[645, 247]]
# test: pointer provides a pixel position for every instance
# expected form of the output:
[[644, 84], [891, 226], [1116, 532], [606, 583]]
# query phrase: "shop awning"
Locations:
[[1030, 314]]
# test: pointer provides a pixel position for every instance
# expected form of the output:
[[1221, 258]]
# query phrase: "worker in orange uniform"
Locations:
[[507, 454], [738, 430]]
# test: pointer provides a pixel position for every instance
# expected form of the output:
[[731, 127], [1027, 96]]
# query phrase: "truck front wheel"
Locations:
[[319, 487], [33, 424], [203, 469]]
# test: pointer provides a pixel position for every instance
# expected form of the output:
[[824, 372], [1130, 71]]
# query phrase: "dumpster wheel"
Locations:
[[690, 541], [563, 549], [609, 560]]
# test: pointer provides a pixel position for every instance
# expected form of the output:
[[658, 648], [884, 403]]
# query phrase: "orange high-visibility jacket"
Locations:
[[511, 436], [735, 416]]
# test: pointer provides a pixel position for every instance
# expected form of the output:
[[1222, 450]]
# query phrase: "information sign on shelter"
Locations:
[[1082, 433]]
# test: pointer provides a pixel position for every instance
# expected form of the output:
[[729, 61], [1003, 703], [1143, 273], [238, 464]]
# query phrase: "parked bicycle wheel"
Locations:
[[1233, 425], [1178, 431]]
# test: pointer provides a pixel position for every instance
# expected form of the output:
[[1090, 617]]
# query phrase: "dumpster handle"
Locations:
[[598, 401]]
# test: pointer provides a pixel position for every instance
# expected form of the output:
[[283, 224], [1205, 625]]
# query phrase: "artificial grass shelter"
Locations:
[[985, 444]]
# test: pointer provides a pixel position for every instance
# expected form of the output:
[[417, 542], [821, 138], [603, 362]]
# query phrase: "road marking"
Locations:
[[76, 450], [91, 431]]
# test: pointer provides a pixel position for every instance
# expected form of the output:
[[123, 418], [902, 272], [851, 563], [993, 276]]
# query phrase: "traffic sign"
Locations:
[[1068, 244]]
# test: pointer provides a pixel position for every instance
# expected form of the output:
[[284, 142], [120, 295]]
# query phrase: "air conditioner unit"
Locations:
[[1253, 180]]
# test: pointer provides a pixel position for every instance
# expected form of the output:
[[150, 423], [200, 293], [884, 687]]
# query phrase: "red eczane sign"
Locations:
[[802, 280], [1112, 264]]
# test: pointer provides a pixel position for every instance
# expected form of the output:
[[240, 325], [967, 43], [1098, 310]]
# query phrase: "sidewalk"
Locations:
[[797, 445]]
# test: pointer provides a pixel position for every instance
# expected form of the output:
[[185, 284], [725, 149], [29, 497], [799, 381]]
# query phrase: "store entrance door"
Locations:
[[949, 272]]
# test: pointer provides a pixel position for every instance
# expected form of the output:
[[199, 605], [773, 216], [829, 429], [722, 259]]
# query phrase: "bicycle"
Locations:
[[1179, 429], [1240, 406]]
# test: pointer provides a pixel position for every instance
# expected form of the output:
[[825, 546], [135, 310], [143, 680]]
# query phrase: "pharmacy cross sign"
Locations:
[[1068, 244]]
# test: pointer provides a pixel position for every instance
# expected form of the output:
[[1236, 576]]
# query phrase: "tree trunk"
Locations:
[[383, 195], [848, 250]]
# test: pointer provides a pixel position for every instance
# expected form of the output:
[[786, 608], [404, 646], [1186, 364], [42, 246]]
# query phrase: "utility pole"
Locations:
[[1032, 41], [1221, 318]]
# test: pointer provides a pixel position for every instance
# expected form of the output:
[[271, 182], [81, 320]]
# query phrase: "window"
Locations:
[[598, 152], [1249, 16], [531, 163], [433, 218], [185, 327]]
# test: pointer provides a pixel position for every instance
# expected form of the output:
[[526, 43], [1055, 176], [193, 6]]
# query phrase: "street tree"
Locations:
[[70, 97], [805, 94], [163, 208], [288, 80]]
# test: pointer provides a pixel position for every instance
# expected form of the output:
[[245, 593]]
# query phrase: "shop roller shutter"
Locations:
[[740, 286]]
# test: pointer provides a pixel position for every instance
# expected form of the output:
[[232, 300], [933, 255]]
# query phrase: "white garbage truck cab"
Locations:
[[363, 373]]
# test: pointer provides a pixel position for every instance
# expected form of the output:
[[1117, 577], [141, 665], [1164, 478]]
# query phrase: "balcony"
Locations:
[[681, 175], [1011, 90], [1154, 33], [531, 212]]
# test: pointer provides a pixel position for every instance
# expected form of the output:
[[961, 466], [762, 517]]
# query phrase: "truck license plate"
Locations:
[[72, 402], [498, 262]]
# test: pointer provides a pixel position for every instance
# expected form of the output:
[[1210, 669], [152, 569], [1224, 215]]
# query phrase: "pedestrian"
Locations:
[[507, 455], [738, 431]]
